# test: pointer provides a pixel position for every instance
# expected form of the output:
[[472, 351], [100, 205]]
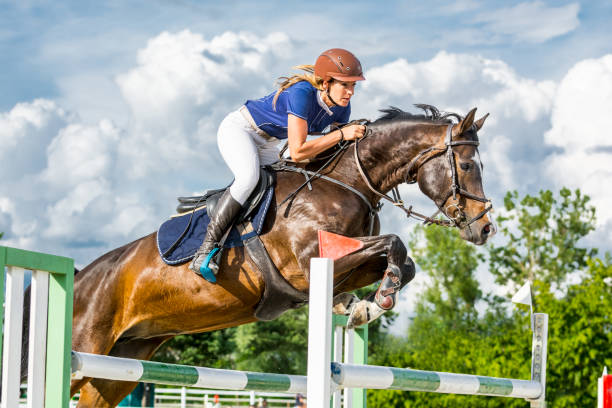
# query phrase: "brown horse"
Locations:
[[128, 302]]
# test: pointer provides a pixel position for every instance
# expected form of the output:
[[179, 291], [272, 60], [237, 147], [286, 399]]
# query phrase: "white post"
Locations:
[[37, 352], [183, 397], [337, 356], [319, 332], [252, 398], [11, 350], [349, 345], [539, 350]]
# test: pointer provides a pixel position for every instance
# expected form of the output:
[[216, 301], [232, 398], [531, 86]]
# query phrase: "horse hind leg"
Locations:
[[107, 393], [343, 303]]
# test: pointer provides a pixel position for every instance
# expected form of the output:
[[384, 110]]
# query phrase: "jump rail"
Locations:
[[126, 369], [375, 377]]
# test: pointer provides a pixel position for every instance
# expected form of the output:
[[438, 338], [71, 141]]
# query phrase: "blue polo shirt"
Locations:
[[302, 100]]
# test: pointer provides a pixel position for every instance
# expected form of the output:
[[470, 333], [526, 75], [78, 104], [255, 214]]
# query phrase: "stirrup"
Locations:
[[206, 272]]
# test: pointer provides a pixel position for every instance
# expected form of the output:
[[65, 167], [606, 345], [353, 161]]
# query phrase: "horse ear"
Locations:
[[467, 122], [481, 122]]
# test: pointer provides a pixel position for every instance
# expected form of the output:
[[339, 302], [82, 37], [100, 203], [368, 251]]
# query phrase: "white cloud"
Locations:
[[460, 80], [533, 22], [580, 128], [182, 73], [580, 117], [25, 132], [80, 153]]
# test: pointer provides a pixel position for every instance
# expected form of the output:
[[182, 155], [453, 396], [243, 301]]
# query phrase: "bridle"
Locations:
[[460, 219]]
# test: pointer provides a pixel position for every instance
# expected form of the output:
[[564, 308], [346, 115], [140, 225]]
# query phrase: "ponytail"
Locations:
[[309, 76]]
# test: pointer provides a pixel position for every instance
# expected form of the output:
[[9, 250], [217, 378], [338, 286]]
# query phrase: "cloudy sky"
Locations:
[[109, 110]]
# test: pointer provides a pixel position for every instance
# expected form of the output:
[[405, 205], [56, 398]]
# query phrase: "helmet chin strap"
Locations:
[[329, 96]]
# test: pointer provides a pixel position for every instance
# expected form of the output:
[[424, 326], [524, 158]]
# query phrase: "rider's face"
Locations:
[[341, 92]]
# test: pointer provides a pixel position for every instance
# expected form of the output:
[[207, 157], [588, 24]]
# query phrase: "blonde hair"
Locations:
[[286, 82]]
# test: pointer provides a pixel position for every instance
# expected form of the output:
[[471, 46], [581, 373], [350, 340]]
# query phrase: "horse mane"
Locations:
[[431, 115]]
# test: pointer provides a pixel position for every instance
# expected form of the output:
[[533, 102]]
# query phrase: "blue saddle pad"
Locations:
[[172, 229]]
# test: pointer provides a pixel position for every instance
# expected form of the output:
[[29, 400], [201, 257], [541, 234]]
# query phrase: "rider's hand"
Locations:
[[353, 132]]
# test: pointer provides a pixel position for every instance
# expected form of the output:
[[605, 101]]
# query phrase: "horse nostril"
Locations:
[[486, 230]]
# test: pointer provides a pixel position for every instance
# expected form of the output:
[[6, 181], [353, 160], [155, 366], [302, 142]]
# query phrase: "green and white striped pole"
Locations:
[[125, 369], [405, 379]]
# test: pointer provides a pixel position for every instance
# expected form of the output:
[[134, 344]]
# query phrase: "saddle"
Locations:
[[210, 198], [279, 295]]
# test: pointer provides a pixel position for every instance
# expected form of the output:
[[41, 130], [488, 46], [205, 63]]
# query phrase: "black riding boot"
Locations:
[[226, 211], [392, 282]]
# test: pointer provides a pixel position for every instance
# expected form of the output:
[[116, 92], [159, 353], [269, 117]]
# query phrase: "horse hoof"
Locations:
[[364, 312], [344, 303]]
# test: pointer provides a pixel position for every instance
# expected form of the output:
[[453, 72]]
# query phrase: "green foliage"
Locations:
[[451, 263], [543, 234], [278, 346], [580, 335], [210, 349]]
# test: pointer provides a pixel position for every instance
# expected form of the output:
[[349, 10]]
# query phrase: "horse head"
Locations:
[[438, 153], [451, 176]]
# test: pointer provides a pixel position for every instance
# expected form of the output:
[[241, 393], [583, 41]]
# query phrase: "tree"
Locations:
[[277, 346], [450, 262], [542, 237], [210, 349], [580, 335]]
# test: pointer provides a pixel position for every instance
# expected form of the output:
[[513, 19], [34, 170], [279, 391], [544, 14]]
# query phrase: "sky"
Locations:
[[109, 110]]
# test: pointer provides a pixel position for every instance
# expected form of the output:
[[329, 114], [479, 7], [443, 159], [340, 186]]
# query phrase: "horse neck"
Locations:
[[387, 154]]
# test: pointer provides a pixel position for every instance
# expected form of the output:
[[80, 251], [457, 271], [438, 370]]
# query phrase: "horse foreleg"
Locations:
[[398, 271], [108, 393]]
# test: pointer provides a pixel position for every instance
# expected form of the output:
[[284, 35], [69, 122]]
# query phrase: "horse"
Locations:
[[128, 302]]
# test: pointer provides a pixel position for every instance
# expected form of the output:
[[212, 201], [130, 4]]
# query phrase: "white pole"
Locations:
[[37, 354], [539, 351], [252, 398], [337, 356], [349, 345], [319, 332], [11, 350], [183, 397]]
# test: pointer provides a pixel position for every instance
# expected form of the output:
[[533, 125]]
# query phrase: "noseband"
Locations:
[[460, 220]]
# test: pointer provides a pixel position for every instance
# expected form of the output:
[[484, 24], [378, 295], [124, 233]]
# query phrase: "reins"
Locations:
[[397, 199], [459, 220]]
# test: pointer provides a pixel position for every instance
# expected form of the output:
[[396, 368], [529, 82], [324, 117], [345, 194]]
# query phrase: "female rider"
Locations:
[[248, 138]]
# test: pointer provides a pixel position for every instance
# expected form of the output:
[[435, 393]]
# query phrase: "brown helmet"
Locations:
[[339, 64]]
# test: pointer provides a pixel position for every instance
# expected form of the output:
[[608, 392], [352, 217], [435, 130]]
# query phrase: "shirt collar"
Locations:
[[323, 104]]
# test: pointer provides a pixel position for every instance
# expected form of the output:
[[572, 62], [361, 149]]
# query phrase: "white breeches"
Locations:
[[244, 151]]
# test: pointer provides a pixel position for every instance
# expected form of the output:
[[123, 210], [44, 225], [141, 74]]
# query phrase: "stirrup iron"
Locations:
[[206, 271]]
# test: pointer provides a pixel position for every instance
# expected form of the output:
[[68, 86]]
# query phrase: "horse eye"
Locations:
[[465, 166]]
